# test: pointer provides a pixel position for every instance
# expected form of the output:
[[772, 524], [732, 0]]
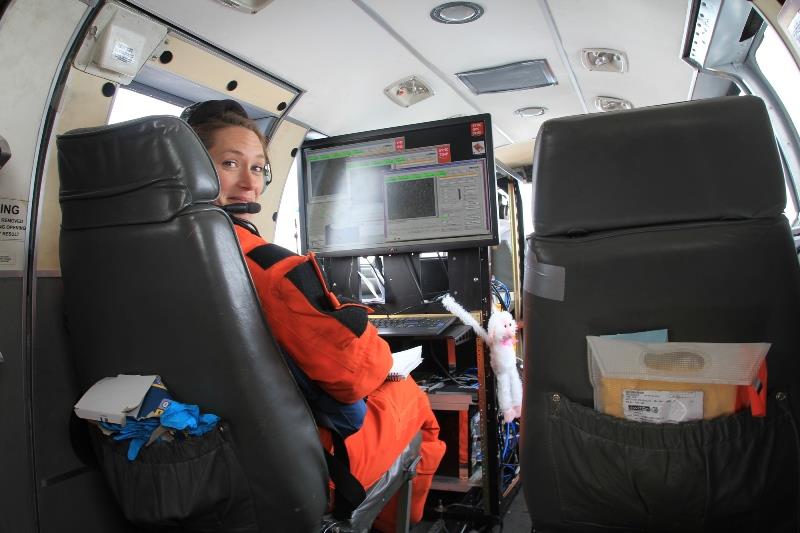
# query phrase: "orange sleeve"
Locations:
[[333, 343]]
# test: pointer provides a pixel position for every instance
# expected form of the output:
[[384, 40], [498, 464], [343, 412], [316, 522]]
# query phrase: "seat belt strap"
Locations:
[[348, 491]]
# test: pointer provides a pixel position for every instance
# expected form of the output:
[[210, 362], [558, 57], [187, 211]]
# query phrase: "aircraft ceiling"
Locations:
[[343, 53]]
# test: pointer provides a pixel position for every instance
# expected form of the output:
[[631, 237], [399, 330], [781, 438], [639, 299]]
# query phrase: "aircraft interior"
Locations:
[[594, 168]]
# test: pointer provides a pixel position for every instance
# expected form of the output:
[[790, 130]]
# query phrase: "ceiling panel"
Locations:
[[343, 53], [508, 32], [314, 48], [649, 31]]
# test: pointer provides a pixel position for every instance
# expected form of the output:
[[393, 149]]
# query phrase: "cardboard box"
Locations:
[[670, 381], [113, 399]]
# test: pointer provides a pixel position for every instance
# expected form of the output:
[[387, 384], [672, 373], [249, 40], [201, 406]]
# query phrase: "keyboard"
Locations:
[[412, 326]]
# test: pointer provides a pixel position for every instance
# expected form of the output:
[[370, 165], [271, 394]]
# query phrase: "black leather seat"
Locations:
[[155, 283], [664, 217]]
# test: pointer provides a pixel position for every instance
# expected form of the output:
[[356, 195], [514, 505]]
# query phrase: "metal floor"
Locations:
[[516, 520]]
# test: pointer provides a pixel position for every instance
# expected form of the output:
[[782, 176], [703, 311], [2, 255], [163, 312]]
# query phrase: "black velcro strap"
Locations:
[[267, 255], [348, 491], [305, 278], [246, 224]]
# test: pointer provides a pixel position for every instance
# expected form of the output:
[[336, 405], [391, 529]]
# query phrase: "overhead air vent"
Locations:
[[512, 77]]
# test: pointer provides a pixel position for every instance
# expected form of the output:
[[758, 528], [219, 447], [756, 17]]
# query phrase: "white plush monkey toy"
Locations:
[[500, 338]]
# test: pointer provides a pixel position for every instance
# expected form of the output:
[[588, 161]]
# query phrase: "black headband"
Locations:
[[204, 111]]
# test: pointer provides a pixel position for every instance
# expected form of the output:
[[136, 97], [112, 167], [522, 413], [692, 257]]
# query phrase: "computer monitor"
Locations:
[[424, 187]]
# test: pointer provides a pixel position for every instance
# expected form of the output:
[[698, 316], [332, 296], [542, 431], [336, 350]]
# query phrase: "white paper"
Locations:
[[405, 362], [662, 406]]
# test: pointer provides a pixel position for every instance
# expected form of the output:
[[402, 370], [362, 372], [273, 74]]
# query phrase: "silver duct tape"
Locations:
[[545, 281]]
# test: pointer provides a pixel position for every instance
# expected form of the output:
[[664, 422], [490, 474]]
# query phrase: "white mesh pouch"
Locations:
[[685, 362]]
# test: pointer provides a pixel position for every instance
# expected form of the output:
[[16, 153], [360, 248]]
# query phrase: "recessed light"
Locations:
[[604, 59], [611, 103], [456, 12], [408, 91]]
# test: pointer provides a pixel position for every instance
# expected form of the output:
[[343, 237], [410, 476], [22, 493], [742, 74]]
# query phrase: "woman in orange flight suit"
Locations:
[[333, 344]]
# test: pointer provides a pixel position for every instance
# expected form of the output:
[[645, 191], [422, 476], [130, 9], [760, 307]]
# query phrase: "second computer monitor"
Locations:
[[416, 188]]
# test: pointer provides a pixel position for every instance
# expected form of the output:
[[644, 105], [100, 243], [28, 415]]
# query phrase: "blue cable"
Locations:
[[498, 286], [510, 441]]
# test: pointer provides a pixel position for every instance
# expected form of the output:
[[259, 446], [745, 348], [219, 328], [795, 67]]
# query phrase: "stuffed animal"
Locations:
[[500, 337]]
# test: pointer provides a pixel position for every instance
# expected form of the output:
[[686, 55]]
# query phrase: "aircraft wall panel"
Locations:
[[33, 37]]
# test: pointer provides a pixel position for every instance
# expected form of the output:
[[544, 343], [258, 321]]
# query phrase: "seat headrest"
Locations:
[[704, 160], [141, 171]]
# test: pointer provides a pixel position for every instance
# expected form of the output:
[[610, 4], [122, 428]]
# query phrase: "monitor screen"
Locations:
[[415, 188]]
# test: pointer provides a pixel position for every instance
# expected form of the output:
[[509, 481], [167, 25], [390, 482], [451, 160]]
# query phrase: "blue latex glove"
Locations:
[[138, 431], [178, 416], [108, 426], [137, 428], [134, 447], [187, 417], [207, 423]]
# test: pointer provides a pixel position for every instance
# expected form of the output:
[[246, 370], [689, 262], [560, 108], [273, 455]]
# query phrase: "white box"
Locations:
[[112, 399]]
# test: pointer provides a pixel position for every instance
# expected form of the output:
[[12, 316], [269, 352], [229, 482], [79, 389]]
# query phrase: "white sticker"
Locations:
[[662, 406], [123, 53], [13, 219], [478, 148], [10, 254]]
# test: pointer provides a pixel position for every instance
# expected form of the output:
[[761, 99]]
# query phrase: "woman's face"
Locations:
[[238, 156]]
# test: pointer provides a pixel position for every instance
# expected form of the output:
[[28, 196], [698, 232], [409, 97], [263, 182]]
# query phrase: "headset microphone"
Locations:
[[242, 208]]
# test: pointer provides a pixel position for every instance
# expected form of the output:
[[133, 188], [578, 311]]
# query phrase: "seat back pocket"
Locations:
[[192, 484], [690, 476]]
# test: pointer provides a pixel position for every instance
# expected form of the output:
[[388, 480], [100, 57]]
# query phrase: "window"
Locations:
[[526, 194], [780, 70], [129, 105], [287, 227]]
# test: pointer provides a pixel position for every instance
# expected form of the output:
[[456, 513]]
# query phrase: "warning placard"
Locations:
[[443, 153], [476, 129], [13, 219]]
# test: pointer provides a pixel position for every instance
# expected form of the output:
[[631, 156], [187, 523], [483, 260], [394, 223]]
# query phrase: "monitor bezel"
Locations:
[[423, 245]]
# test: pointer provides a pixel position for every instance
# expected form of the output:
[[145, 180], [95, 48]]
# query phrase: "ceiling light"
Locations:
[[512, 77], [408, 91], [118, 44], [248, 6], [457, 12], [610, 103], [527, 112], [604, 59]]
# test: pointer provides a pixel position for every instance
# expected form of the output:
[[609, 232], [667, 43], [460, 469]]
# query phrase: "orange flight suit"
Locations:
[[337, 348]]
